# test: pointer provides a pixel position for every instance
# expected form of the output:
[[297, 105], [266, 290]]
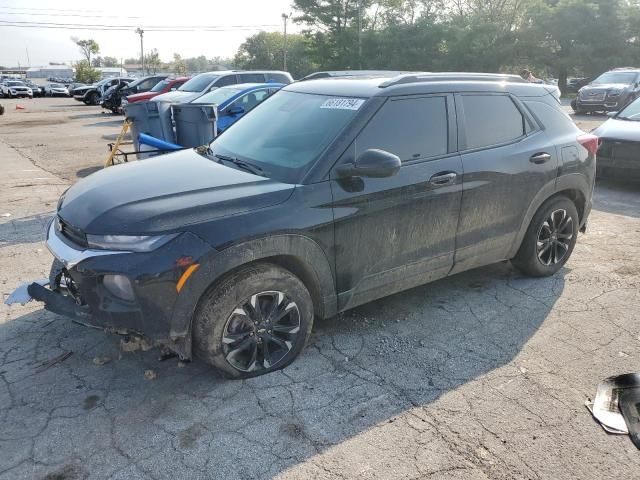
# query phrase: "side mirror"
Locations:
[[372, 163], [237, 110]]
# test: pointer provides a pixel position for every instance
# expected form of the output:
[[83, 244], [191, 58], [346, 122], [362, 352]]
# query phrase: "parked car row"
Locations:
[[27, 88]]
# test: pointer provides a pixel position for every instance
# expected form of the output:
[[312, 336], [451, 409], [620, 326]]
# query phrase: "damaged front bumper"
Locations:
[[80, 287]]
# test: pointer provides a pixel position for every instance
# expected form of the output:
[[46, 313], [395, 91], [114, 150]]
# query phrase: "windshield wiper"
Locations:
[[249, 167]]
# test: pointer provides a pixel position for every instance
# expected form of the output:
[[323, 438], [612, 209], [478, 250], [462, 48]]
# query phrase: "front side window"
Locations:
[[491, 120], [251, 99], [251, 77], [161, 86], [285, 134], [278, 78], [199, 82], [226, 80], [411, 128]]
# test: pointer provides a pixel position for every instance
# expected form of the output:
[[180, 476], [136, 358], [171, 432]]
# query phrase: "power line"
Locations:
[[156, 28], [66, 15], [105, 28], [52, 9]]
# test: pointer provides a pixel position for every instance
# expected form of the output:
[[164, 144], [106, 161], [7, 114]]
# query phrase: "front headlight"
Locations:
[[131, 243], [615, 93]]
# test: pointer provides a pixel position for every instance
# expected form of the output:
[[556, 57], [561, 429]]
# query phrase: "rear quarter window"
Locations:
[[278, 78], [551, 117]]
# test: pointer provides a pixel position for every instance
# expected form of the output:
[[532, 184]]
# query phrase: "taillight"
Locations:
[[590, 142]]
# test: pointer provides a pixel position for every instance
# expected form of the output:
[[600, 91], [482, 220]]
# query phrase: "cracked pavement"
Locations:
[[479, 376]]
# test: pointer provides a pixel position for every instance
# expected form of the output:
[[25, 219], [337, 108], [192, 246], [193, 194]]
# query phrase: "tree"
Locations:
[[87, 47], [110, 62], [85, 73], [265, 51], [179, 65], [152, 61]]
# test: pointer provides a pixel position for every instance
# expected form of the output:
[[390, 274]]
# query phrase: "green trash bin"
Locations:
[[195, 123]]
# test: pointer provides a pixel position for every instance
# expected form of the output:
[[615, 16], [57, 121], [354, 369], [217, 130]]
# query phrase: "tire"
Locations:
[[532, 258], [228, 333], [92, 99]]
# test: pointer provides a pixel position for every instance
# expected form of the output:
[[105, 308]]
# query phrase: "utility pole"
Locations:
[[285, 17], [140, 32], [359, 35]]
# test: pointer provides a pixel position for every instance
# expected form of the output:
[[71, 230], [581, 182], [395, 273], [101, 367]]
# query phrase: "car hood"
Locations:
[[164, 194], [84, 89], [177, 97], [614, 129]]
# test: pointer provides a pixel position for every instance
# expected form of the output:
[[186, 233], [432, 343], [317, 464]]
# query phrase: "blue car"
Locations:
[[234, 101]]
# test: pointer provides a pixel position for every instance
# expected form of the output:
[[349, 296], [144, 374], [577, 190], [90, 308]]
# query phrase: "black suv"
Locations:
[[610, 92], [330, 194]]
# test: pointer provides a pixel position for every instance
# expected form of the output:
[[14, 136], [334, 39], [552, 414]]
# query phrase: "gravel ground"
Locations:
[[482, 375]]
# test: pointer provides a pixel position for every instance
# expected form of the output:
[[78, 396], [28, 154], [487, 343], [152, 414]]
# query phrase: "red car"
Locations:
[[167, 85]]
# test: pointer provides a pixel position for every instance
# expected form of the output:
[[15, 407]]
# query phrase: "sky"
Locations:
[[39, 46]]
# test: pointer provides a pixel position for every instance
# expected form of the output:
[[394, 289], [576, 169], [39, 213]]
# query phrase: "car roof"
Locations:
[[251, 86], [418, 83]]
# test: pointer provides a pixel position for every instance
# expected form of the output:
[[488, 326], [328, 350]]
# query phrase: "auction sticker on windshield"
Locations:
[[343, 103]]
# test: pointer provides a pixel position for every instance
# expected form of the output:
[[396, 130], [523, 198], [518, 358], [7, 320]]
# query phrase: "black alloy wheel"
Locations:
[[261, 331], [554, 237]]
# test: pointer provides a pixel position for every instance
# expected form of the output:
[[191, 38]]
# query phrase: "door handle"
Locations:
[[540, 158], [443, 178]]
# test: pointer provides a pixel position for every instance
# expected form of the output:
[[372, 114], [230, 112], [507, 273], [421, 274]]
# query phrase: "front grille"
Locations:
[[71, 233], [592, 97]]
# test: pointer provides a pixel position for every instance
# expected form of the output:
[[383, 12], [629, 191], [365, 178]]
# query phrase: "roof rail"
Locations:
[[624, 68], [451, 77]]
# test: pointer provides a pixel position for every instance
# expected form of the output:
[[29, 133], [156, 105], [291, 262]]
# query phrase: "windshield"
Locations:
[[161, 86], [631, 112], [55, 85], [199, 82], [286, 133], [615, 77], [218, 96], [15, 84]]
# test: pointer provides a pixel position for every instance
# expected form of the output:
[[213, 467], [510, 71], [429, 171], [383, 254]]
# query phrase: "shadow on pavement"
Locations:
[[108, 123], [88, 115], [360, 369], [85, 172]]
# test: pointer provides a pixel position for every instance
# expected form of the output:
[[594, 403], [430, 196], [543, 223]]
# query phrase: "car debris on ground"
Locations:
[[616, 404]]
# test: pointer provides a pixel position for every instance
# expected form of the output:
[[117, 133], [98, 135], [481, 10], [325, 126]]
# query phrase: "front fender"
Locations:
[[216, 264]]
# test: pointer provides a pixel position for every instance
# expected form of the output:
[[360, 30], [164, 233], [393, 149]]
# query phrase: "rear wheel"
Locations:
[[550, 238], [255, 321]]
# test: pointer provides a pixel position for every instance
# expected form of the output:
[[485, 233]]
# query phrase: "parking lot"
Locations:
[[482, 375]]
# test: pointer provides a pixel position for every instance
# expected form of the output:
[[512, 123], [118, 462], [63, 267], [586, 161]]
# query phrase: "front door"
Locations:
[[398, 232]]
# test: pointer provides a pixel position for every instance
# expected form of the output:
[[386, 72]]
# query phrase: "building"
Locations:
[[108, 72], [51, 71]]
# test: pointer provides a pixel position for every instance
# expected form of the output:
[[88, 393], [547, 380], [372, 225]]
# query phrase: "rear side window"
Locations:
[[278, 78], [412, 128], [491, 120]]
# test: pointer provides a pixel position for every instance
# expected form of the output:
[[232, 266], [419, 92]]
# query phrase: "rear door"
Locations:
[[397, 232], [507, 159]]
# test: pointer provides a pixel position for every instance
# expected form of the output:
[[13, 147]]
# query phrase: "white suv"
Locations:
[[16, 88]]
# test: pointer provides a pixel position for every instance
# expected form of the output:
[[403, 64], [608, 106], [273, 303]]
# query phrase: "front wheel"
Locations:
[[255, 321], [550, 238], [93, 99]]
